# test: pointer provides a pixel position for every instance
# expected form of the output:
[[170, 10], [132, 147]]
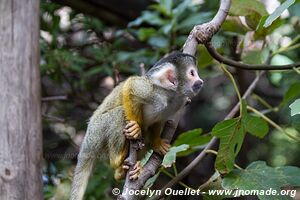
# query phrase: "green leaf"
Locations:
[[234, 24], [259, 176], [197, 18], [292, 93], [181, 8], [145, 33], [231, 134], [278, 12], [167, 28], [295, 107], [194, 139], [261, 32], [146, 157], [255, 125], [214, 183], [170, 157], [151, 180], [296, 122], [151, 18], [279, 59], [294, 10], [159, 42], [164, 7], [204, 58], [255, 56], [247, 7], [253, 20], [93, 71]]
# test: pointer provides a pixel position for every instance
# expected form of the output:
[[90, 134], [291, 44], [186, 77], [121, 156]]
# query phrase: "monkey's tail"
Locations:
[[82, 173]]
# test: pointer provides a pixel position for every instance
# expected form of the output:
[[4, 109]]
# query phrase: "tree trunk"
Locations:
[[20, 115]]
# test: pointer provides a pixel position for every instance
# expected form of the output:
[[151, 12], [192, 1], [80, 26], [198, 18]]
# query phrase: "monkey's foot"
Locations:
[[161, 146], [132, 130], [136, 170]]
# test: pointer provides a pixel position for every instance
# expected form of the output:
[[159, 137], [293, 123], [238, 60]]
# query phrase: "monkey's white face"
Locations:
[[193, 82]]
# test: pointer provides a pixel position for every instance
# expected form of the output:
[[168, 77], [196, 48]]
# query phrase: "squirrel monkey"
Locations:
[[147, 102]]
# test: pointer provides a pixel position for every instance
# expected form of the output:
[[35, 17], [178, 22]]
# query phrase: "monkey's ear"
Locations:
[[166, 77], [170, 76]]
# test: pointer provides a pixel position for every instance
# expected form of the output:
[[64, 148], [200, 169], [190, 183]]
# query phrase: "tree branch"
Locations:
[[204, 32], [232, 63]]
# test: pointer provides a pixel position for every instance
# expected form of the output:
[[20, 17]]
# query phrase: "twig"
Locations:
[[116, 77], [272, 123], [234, 84], [142, 69], [53, 118], [55, 98], [296, 70], [263, 102], [232, 63], [216, 153], [172, 176]]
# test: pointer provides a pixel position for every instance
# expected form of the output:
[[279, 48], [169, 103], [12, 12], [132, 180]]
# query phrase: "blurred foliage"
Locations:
[[82, 59]]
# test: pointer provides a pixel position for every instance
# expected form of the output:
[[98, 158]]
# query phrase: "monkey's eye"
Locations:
[[192, 73]]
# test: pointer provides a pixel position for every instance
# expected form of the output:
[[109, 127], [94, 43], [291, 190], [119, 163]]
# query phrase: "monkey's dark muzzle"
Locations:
[[197, 86]]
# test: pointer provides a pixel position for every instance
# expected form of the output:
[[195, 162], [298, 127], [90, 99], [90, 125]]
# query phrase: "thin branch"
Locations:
[[172, 176], [273, 123], [116, 77], [55, 98], [234, 84], [296, 70], [216, 153], [142, 69], [53, 118], [263, 102], [232, 63]]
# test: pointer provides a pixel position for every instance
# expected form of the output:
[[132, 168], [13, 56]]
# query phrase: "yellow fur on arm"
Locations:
[[132, 108]]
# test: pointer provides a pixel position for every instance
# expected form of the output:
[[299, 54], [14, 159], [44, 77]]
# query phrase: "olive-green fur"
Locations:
[[104, 138]]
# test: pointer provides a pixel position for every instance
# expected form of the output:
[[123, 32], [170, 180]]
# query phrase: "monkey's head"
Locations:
[[177, 72]]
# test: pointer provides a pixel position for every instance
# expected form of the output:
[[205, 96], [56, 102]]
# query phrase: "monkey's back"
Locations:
[[105, 128]]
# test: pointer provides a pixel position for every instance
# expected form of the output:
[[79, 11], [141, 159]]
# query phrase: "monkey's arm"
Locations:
[[136, 92]]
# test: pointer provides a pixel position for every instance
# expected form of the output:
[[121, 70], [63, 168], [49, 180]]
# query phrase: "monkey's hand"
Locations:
[[160, 146], [136, 170], [132, 130]]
